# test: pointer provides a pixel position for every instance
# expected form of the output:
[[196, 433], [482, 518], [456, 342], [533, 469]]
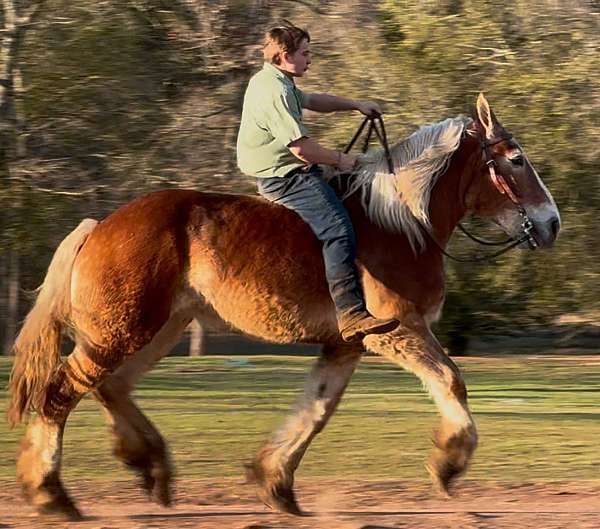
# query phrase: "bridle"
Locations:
[[504, 188], [497, 179]]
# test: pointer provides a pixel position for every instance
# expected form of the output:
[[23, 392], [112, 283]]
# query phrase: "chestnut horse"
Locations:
[[126, 288]]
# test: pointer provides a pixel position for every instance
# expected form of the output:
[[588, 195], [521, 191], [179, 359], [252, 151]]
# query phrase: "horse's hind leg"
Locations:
[[273, 468], [416, 349], [39, 460], [137, 442]]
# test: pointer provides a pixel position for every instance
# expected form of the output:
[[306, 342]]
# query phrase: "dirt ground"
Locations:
[[332, 505]]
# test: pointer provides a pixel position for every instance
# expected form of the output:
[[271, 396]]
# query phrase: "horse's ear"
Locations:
[[485, 115]]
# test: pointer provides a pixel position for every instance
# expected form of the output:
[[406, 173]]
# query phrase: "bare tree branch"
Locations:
[[29, 184], [14, 29], [30, 14]]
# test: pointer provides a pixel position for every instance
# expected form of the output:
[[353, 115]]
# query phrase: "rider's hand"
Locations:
[[347, 162], [369, 108]]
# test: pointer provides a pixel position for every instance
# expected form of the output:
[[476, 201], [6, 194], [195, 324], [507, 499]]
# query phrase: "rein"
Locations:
[[497, 179], [374, 124]]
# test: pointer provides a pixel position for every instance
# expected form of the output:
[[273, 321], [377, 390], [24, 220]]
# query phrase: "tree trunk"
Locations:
[[3, 292], [196, 339], [19, 111], [12, 307]]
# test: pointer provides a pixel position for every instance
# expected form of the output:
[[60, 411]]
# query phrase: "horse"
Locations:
[[125, 289]]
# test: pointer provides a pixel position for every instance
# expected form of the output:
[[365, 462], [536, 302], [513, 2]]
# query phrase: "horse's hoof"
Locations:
[[440, 486], [277, 497], [161, 493], [158, 489], [60, 508], [282, 500], [51, 500]]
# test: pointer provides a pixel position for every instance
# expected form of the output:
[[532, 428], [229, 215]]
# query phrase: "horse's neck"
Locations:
[[446, 208], [447, 203]]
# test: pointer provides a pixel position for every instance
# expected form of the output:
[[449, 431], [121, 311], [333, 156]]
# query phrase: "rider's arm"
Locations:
[[284, 122], [308, 150], [331, 103]]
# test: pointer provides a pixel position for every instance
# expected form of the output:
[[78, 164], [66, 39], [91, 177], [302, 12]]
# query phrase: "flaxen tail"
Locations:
[[37, 347]]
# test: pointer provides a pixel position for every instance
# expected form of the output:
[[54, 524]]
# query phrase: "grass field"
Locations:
[[538, 419]]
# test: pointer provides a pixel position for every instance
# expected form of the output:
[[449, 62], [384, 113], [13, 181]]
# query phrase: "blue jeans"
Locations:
[[311, 197]]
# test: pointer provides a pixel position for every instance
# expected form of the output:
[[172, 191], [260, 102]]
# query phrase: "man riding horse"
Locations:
[[273, 145]]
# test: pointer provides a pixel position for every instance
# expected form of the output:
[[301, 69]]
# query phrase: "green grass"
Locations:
[[538, 419]]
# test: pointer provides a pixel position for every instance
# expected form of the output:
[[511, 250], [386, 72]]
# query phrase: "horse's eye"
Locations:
[[517, 160]]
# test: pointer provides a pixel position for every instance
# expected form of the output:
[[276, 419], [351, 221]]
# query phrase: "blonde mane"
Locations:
[[400, 202]]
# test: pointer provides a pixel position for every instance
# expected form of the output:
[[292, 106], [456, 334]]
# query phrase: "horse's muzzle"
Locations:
[[546, 232]]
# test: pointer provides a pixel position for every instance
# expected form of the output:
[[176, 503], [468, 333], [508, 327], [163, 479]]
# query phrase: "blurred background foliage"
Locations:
[[106, 100]]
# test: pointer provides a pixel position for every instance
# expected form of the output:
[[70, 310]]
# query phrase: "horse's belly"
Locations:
[[282, 305]]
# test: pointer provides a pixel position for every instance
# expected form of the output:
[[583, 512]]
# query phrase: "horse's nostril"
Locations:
[[555, 226]]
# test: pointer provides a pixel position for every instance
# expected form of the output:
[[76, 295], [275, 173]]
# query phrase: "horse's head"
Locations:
[[508, 189]]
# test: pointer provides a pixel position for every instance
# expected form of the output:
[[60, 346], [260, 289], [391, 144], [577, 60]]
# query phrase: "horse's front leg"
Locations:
[[413, 347], [273, 467]]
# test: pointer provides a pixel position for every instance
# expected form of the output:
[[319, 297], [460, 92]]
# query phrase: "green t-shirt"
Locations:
[[271, 120]]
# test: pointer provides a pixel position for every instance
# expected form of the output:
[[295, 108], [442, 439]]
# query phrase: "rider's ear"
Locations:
[[486, 116]]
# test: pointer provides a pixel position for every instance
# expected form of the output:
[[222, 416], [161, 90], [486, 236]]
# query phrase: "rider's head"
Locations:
[[287, 47]]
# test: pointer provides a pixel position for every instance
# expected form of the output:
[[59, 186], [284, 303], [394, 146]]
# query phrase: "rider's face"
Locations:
[[296, 64]]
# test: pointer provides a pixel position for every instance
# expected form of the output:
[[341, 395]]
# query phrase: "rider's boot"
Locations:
[[363, 324]]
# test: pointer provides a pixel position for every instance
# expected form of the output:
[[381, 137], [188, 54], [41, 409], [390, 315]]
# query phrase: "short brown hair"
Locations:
[[281, 39]]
